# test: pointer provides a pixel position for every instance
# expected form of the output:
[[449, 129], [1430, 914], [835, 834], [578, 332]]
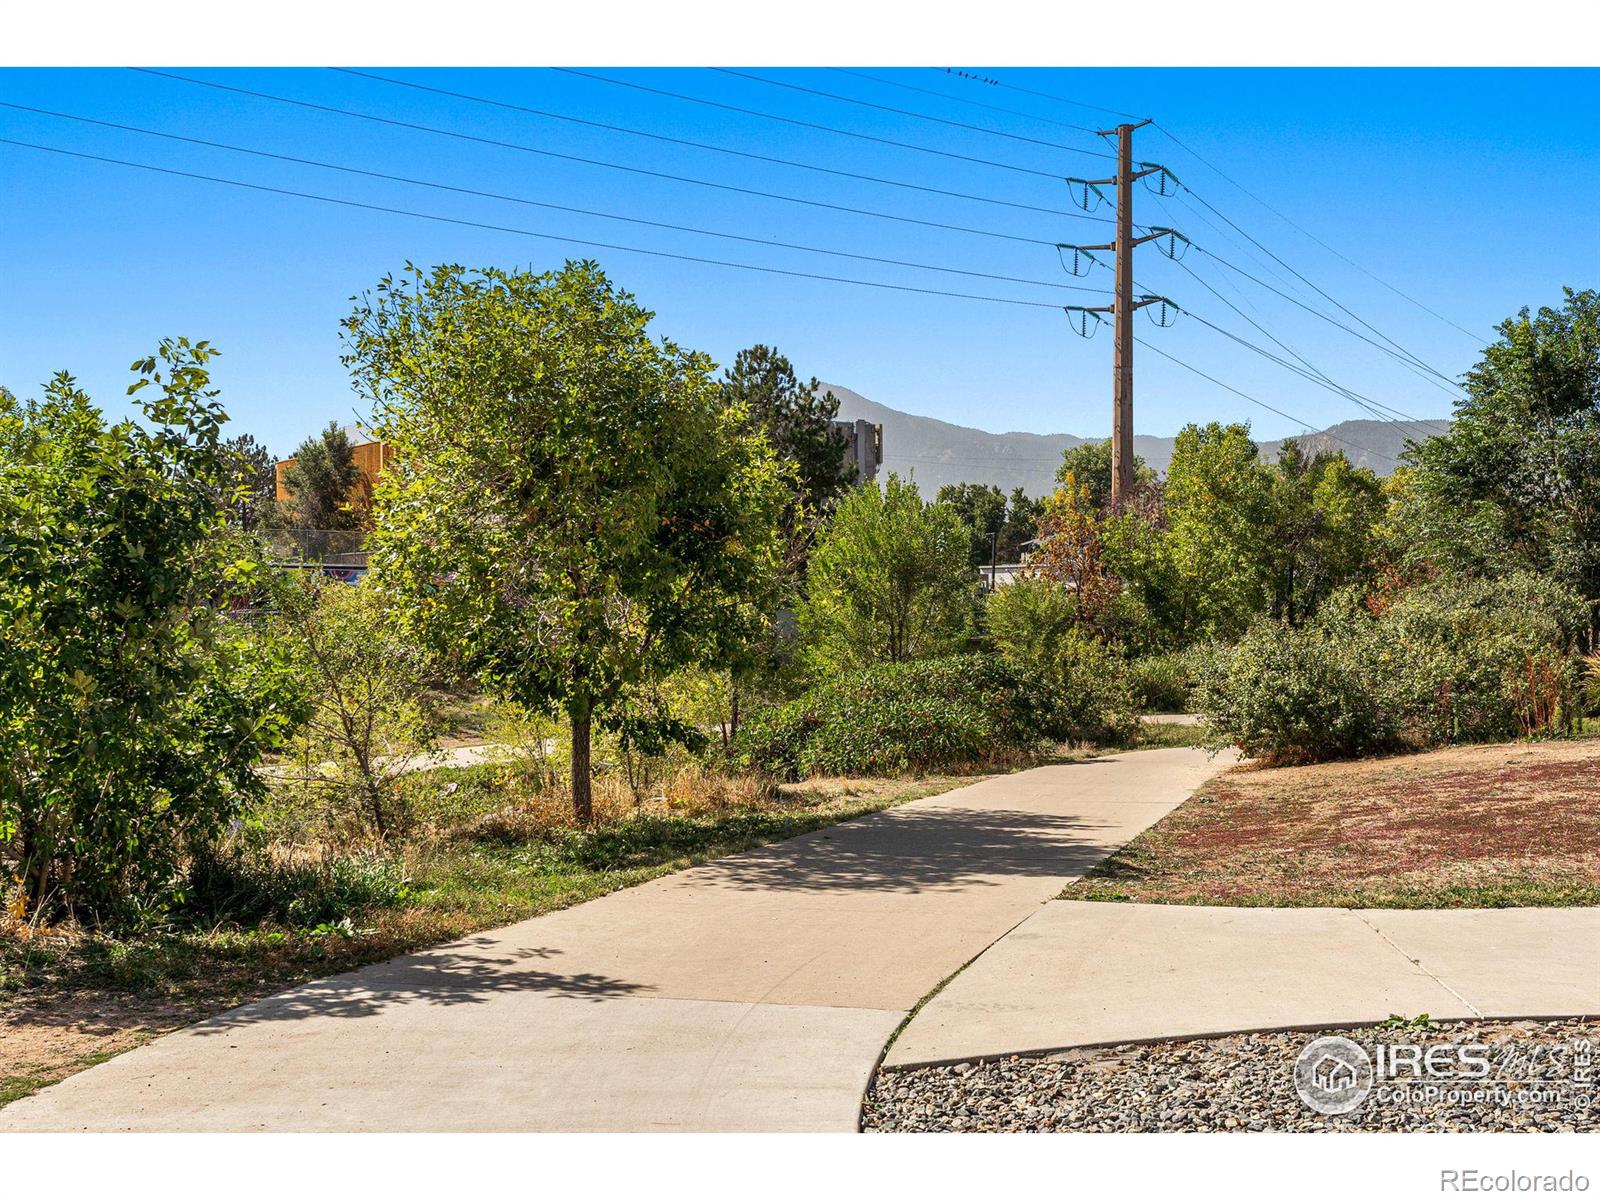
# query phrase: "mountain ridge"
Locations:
[[935, 452]]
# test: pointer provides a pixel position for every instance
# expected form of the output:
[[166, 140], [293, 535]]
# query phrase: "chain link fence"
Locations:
[[324, 547]]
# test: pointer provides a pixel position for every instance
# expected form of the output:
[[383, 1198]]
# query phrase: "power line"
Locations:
[[1306, 370], [1428, 375], [551, 237], [587, 212], [850, 133], [1015, 112], [1290, 221], [1122, 431], [1305, 425], [1318, 290], [907, 112], [713, 148], [1011, 87], [594, 162], [1368, 405], [1199, 214]]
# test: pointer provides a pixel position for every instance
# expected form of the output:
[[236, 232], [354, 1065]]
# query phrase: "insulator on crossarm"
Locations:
[[1085, 195], [1161, 310], [1082, 321], [1082, 261], [1160, 181], [1173, 244]]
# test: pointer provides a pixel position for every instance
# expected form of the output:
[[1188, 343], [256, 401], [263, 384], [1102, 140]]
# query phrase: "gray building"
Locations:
[[863, 448]]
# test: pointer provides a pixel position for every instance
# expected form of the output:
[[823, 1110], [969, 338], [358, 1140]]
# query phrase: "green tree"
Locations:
[[798, 420], [1089, 463], [890, 581], [133, 713], [572, 507], [1217, 509], [1023, 515], [982, 509], [255, 476], [1515, 483], [1323, 514], [324, 483]]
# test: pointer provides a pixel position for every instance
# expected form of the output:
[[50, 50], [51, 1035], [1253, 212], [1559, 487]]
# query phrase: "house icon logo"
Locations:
[[1333, 1075]]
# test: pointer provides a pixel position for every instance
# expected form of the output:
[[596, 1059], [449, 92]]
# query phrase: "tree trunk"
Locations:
[[34, 866], [582, 797]]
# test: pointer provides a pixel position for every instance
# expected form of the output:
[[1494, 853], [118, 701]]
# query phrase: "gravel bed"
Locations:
[[1243, 1083]]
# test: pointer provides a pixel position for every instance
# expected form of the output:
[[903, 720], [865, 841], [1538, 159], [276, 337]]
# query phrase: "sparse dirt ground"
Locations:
[[1474, 826], [69, 1000]]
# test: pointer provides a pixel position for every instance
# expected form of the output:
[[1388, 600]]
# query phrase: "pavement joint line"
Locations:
[[1417, 962], [911, 1013]]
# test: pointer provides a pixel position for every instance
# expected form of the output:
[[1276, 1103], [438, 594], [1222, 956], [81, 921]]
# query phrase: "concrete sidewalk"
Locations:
[[1187, 971], [753, 993]]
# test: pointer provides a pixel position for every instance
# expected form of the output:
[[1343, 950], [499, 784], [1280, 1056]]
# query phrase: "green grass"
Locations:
[[1153, 736], [1516, 893], [15, 1087]]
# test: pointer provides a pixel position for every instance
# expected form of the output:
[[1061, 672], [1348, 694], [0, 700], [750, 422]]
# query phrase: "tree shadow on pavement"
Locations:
[[923, 850], [438, 977]]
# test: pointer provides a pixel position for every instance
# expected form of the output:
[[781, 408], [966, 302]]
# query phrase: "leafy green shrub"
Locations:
[[1079, 688], [1459, 653], [133, 712], [1030, 613], [368, 684], [245, 885], [936, 714], [1296, 695], [1162, 682], [1448, 661], [1081, 691]]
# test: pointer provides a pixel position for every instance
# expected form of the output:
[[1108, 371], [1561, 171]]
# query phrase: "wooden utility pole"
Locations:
[[1122, 314], [1124, 303]]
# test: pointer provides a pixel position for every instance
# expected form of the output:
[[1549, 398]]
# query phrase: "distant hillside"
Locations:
[[936, 452]]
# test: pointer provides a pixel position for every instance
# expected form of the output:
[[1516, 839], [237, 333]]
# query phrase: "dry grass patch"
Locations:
[[1472, 827]]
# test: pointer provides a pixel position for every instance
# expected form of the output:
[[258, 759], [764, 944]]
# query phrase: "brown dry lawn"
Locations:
[[1495, 826]]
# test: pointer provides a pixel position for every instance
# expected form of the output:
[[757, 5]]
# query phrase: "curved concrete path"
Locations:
[[1187, 971], [752, 993]]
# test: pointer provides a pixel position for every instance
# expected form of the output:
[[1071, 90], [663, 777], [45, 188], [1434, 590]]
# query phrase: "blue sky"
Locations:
[[1471, 190]]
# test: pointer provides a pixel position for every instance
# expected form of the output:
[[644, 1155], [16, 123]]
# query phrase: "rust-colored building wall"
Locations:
[[281, 468], [370, 459]]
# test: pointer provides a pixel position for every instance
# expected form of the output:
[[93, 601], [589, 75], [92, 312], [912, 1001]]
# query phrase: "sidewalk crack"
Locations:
[[1417, 962]]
